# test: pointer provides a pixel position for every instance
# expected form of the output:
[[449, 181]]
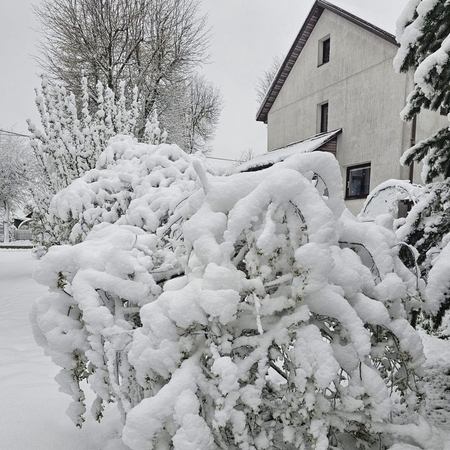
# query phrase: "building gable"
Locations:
[[316, 12], [358, 86]]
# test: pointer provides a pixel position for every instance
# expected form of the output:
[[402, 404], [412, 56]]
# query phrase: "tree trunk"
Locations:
[[6, 223]]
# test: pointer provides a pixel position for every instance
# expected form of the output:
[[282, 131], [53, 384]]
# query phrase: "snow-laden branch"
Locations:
[[272, 334]]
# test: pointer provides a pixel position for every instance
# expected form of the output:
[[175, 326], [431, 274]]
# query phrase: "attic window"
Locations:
[[324, 50]]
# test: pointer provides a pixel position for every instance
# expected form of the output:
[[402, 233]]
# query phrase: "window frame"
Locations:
[[324, 54], [348, 180], [323, 119]]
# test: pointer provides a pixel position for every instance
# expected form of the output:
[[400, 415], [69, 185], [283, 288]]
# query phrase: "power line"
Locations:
[[12, 133], [221, 159], [24, 135]]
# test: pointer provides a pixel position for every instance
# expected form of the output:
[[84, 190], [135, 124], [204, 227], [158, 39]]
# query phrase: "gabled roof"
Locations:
[[274, 156], [300, 41]]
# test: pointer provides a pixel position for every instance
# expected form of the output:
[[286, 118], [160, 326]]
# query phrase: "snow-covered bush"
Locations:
[[133, 183], [254, 315], [387, 198], [74, 133]]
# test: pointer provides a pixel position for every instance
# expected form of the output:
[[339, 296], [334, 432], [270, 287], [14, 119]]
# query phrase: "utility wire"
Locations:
[[220, 159], [12, 133], [24, 135]]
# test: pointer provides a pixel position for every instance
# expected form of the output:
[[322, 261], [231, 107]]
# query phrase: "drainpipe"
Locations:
[[413, 143], [415, 313]]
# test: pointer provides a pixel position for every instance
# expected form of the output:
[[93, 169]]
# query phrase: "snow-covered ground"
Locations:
[[32, 411]]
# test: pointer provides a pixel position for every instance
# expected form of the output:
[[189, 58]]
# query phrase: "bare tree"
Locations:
[[246, 155], [191, 113], [204, 105], [100, 38], [265, 81], [152, 44], [18, 171]]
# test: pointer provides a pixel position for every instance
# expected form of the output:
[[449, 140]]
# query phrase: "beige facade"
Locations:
[[364, 96]]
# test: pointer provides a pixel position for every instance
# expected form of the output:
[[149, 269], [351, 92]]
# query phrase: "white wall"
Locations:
[[364, 94]]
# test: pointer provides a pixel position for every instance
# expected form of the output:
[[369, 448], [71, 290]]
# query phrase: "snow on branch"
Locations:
[[226, 314]]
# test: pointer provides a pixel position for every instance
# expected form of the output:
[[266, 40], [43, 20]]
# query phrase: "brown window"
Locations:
[[323, 118], [358, 181]]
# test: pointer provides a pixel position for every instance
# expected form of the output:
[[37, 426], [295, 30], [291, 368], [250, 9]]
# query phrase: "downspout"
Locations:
[[413, 143], [415, 313]]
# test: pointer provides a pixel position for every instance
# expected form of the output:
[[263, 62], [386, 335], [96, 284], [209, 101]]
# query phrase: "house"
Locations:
[[338, 77]]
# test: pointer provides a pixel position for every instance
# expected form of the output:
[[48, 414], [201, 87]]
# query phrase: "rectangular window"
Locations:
[[323, 118], [358, 181], [324, 50]]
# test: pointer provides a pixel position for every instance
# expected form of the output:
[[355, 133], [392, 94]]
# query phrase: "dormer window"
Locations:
[[324, 50]]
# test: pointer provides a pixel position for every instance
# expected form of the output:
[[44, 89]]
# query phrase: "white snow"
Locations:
[[407, 35], [439, 283], [268, 277], [385, 198], [263, 271], [32, 410]]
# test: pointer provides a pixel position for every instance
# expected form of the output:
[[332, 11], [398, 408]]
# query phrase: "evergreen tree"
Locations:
[[427, 229], [424, 36], [423, 32]]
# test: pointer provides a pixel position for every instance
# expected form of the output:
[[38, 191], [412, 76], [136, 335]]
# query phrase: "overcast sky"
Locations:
[[246, 35]]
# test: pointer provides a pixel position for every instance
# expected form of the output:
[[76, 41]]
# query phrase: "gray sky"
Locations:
[[246, 35], [17, 70]]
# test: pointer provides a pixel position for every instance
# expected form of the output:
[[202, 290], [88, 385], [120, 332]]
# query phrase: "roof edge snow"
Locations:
[[300, 41], [274, 156]]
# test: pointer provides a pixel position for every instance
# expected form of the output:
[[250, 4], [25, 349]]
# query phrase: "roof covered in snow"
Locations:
[[270, 158], [378, 17]]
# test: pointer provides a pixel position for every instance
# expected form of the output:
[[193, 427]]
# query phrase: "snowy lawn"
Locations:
[[33, 411]]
